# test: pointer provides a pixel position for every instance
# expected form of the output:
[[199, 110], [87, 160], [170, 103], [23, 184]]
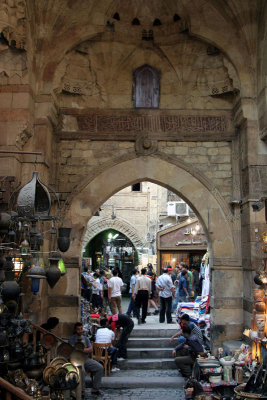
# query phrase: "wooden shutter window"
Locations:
[[146, 87]]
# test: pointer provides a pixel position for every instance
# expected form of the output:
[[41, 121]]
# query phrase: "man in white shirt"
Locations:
[[115, 285], [142, 291], [106, 335], [166, 291]]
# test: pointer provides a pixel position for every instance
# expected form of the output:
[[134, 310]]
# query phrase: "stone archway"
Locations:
[[203, 197], [102, 224]]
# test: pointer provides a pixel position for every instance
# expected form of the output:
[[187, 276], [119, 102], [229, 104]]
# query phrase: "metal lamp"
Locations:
[[36, 272]]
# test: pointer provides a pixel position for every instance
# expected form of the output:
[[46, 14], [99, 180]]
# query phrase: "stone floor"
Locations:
[[139, 394]]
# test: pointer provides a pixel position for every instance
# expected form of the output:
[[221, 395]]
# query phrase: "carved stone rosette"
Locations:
[[144, 146]]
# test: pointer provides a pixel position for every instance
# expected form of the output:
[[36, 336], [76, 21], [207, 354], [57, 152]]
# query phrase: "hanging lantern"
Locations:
[[24, 247], [12, 235], [62, 267], [53, 273], [34, 199], [63, 240], [36, 272], [36, 238], [10, 290]]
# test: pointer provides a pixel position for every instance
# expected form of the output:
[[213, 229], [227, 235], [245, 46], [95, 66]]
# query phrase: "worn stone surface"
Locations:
[[136, 394]]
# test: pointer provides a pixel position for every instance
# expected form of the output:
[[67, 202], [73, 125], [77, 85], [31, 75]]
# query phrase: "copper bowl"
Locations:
[[258, 294], [260, 306]]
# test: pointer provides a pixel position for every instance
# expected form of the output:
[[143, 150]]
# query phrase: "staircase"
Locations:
[[150, 363]]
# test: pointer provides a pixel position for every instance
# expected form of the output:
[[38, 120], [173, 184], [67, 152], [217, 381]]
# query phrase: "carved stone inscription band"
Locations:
[[151, 123]]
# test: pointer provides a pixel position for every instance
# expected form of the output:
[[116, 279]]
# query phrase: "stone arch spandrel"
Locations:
[[118, 224], [202, 197]]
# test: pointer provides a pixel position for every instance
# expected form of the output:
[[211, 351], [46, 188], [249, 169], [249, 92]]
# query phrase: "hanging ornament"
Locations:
[[53, 273], [63, 240], [10, 290], [36, 272], [62, 267], [24, 247]]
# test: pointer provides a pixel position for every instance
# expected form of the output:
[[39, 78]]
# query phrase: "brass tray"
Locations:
[[47, 372], [79, 346], [72, 376], [77, 357], [58, 361], [48, 341], [244, 395], [64, 350], [71, 368]]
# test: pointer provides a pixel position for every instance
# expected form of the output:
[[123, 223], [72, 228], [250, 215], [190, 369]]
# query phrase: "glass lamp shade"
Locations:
[[62, 267], [25, 248], [36, 272], [35, 285]]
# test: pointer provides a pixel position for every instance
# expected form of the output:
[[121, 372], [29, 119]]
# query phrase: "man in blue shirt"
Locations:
[[183, 287], [90, 365]]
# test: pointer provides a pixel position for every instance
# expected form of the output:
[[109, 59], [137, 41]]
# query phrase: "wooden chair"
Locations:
[[100, 354]]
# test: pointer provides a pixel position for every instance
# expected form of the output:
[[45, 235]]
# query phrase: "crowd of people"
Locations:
[[104, 289]]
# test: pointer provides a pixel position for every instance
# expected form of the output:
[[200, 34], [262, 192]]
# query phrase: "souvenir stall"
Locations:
[[242, 374], [185, 242], [34, 363]]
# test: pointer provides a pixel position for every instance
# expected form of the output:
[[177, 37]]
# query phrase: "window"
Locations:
[[136, 187], [146, 87]]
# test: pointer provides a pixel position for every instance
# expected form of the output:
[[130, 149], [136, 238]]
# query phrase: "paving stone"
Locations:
[[139, 394]]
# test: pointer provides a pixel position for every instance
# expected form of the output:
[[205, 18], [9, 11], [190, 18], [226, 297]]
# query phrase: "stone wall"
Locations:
[[77, 159]]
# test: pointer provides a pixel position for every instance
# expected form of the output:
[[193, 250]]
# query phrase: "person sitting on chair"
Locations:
[[106, 335], [90, 365]]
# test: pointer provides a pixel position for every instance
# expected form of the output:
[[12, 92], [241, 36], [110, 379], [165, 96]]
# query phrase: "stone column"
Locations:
[[226, 303], [253, 178]]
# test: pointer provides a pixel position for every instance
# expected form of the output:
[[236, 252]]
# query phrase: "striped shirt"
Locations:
[[196, 331]]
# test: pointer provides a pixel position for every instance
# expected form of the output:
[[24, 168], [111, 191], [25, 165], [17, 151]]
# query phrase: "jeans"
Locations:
[[113, 352], [142, 300], [176, 300], [183, 299], [165, 307], [132, 307]]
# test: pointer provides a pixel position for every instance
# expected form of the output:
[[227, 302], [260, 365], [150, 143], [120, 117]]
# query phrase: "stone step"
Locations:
[[147, 363], [153, 333], [153, 352], [145, 343], [156, 378], [116, 382]]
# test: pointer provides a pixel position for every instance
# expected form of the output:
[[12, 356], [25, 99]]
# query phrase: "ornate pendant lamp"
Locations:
[[34, 199]]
